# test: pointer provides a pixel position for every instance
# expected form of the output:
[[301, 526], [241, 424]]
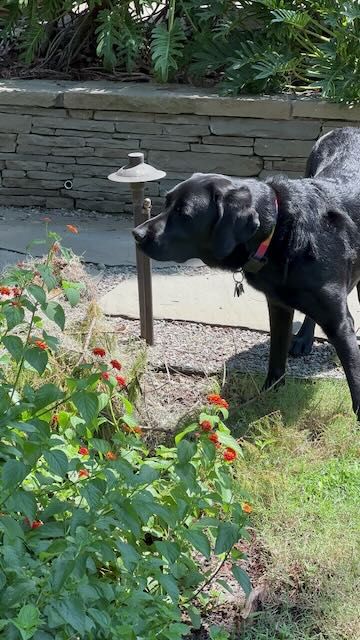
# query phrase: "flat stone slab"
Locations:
[[206, 297]]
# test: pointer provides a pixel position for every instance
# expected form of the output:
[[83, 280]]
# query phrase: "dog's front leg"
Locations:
[[341, 334], [280, 335]]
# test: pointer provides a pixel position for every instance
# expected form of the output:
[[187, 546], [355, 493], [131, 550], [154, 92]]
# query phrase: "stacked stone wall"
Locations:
[[59, 141]]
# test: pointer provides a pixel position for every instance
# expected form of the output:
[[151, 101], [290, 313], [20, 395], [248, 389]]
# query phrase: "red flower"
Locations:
[[105, 375], [110, 455], [40, 344], [72, 228], [121, 381], [5, 291], [16, 292], [83, 473], [115, 364], [230, 454], [99, 351], [214, 398], [56, 247], [246, 507], [35, 524], [213, 437], [83, 451], [206, 425]]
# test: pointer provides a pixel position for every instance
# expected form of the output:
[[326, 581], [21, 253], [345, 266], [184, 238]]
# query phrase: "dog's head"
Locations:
[[206, 217]]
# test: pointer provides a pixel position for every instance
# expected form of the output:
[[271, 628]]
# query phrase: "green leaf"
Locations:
[[62, 569], [129, 555], [71, 610], [38, 293], [186, 450], [228, 534], [13, 473], [72, 291], [170, 550], [24, 502], [28, 618], [87, 405], [199, 541], [57, 462], [47, 395], [14, 346], [14, 315], [102, 446], [55, 312], [167, 48], [180, 436], [11, 527], [37, 358], [100, 617], [92, 495], [169, 584], [243, 579], [47, 276]]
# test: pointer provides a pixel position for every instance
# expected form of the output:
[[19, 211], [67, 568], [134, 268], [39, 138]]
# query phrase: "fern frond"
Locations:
[[166, 48]]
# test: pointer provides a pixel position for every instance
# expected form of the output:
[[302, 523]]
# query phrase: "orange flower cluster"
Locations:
[[83, 473], [41, 344], [110, 455], [217, 400], [83, 451], [99, 351], [72, 228]]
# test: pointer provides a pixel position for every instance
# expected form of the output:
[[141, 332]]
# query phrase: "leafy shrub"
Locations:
[[100, 537], [250, 46]]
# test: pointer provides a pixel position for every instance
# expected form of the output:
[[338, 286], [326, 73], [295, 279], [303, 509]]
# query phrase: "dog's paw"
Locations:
[[301, 346], [273, 381]]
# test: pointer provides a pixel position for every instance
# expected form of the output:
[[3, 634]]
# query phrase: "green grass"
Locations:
[[302, 467]]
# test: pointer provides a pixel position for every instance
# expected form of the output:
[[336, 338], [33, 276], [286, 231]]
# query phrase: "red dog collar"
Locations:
[[258, 260]]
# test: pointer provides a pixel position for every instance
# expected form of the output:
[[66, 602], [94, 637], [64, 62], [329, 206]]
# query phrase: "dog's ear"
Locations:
[[237, 220]]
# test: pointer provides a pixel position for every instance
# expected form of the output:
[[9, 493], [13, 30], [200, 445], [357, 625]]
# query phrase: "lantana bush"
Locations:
[[101, 538]]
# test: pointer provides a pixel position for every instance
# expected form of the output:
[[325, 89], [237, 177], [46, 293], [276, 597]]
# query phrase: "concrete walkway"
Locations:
[[195, 294]]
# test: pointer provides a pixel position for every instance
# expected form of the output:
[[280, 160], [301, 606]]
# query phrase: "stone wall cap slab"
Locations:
[[30, 93], [315, 108], [168, 99]]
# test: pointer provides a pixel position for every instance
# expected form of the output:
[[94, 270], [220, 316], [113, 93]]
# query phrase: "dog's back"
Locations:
[[336, 155]]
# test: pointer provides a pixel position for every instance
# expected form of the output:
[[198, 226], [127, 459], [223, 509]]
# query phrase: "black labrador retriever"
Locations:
[[297, 241]]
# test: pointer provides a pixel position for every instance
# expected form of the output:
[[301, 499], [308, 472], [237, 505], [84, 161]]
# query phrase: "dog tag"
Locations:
[[238, 290]]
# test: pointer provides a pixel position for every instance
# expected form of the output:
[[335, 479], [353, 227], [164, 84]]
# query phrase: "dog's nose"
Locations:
[[139, 233]]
